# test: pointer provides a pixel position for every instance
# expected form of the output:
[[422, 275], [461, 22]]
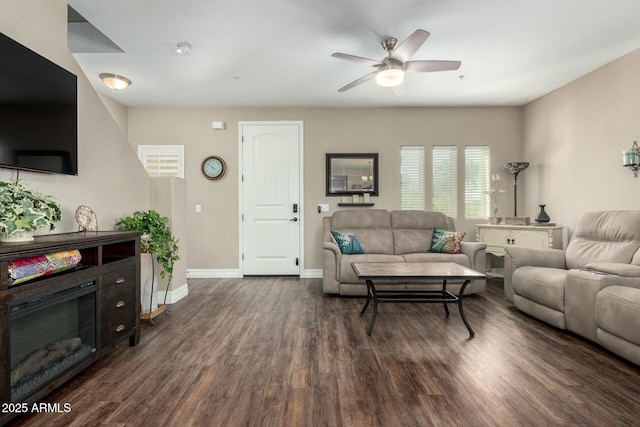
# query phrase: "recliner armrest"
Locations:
[[522, 256], [619, 269], [333, 247], [330, 264], [476, 253], [519, 256]]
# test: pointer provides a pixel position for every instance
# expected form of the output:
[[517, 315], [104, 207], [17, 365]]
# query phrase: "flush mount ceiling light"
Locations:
[[183, 48], [114, 81]]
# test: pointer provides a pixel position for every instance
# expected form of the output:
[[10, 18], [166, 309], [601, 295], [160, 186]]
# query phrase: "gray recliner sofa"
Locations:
[[392, 236], [592, 288]]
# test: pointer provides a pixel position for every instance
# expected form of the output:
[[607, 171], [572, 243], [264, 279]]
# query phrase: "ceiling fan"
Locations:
[[390, 71]]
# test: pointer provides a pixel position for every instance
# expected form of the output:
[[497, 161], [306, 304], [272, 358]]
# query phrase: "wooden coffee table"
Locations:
[[372, 271]]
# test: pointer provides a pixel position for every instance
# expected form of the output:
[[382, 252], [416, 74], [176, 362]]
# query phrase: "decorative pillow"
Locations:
[[446, 241], [347, 242]]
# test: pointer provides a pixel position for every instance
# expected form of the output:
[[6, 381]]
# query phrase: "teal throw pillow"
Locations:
[[446, 241], [347, 243]]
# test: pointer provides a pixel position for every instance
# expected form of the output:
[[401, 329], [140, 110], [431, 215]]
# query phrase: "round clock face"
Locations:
[[213, 167]]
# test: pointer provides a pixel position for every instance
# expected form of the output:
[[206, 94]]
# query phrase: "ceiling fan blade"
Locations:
[[400, 90], [430, 65], [407, 48], [359, 59], [361, 80]]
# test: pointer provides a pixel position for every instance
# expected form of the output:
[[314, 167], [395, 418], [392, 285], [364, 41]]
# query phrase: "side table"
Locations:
[[531, 236]]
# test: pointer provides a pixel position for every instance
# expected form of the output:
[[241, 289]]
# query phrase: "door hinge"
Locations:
[[243, 257], [242, 217], [297, 261], [242, 138]]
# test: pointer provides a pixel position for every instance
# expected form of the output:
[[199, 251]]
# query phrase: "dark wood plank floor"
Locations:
[[276, 352]]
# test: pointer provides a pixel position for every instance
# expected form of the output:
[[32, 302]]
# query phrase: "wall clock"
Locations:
[[213, 168]]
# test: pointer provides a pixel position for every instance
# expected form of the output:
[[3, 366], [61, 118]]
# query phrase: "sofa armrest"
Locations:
[[619, 269], [476, 251], [519, 256], [331, 256]]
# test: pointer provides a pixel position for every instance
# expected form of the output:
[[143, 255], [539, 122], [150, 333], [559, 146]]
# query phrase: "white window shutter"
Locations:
[[477, 181], [412, 177], [162, 160], [445, 173]]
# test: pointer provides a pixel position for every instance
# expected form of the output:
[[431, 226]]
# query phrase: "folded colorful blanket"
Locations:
[[24, 269]]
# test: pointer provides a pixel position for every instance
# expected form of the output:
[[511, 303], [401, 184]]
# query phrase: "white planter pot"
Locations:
[[149, 283], [18, 236]]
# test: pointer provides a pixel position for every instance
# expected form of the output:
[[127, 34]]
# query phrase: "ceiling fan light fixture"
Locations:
[[389, 77], [114, 81]]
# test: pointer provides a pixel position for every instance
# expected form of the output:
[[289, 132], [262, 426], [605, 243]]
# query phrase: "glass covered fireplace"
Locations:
[[48, 335]]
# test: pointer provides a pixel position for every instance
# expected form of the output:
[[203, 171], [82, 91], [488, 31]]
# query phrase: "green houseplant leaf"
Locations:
[[157, 238], [26, 209]]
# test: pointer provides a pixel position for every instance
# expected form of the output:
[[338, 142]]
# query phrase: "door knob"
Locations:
[[294, 219]]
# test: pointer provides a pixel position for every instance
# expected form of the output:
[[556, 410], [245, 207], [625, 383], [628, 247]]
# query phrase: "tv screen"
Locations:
[[38, 112]]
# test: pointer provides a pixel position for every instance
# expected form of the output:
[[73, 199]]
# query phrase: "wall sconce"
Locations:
[[631, 158]]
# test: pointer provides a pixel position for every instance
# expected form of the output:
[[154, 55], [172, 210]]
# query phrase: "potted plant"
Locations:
[[157, 238], [24, 211]]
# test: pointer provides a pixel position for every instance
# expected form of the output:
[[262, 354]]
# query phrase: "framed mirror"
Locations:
[[352, 173]]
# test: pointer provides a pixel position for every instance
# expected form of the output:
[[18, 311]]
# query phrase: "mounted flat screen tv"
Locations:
[[38, 112]]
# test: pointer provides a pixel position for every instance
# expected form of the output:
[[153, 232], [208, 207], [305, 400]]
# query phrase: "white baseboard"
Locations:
[[174, 295], [312, 274], [203, 273]]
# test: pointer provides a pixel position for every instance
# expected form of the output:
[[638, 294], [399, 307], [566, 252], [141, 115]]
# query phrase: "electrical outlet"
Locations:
[[198, 208]]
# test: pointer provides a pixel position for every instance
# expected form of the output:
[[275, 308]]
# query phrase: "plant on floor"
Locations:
[[24, 209], [156, 238]]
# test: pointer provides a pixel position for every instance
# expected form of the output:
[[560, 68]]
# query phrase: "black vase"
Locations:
[[542, 216]]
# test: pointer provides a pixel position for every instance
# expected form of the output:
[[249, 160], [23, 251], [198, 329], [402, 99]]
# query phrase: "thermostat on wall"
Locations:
[[217, 125]]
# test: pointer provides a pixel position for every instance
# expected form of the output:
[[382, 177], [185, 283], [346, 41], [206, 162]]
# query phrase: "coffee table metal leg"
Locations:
[[369, 297], [464, 318], [444, 289], [371, 294]]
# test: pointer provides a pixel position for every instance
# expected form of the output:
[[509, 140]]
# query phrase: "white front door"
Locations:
[[271, 198]]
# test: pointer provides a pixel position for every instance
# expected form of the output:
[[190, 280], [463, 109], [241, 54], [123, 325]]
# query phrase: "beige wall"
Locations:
[[574, 138], [213, 235], [110, 180]]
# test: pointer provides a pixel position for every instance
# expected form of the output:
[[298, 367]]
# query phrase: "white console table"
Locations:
[[531, 236]]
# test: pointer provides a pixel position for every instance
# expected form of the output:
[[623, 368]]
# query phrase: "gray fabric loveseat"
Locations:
[[392, 236], [592, 288]]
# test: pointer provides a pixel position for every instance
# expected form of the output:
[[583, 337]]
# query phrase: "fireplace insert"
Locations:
[[49, 335]]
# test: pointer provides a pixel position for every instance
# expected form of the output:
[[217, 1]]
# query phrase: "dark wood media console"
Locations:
[[100, 296]]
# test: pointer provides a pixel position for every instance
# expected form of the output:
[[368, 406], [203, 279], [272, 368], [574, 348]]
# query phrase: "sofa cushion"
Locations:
[[461, 259], [372, 228], [447, 242], [618, 312], [542, 285], [413, 230], [610, 236], [347, 242]]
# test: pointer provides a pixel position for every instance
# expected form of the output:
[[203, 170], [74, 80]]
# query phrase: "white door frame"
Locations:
[[241, 124]]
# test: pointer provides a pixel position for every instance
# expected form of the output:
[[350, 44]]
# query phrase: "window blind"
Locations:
[[445, 172], [412, 177], [477, 181]]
